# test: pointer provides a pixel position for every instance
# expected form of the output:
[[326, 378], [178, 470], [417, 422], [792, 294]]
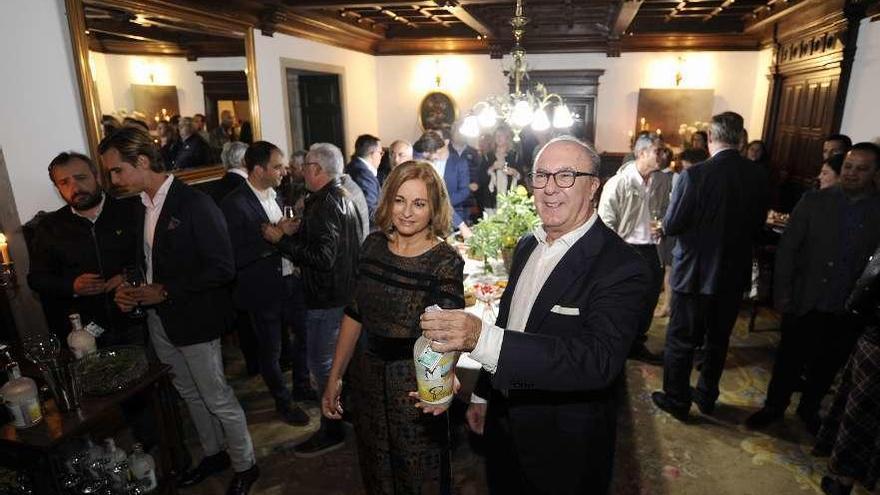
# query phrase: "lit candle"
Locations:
[[4, 250], [659, 132]]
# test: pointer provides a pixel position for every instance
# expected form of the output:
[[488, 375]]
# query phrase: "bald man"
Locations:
[[546, 399], [399, 152]]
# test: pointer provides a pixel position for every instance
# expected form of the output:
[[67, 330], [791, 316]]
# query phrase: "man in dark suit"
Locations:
[[267, 286], [553, 361], [717, 212], [364, 170], [192, 151], [454, 170], [236, 172], [189, 266], [826, 244]]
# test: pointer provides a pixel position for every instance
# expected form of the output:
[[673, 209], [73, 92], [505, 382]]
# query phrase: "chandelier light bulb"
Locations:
[[470, 127], [540, 123], [562, 117], [522, 114], [487, 116]]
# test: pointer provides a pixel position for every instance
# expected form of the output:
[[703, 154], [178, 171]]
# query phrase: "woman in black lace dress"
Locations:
[[404, 268]]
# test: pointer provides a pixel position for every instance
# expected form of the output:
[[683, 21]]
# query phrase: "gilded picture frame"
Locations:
[[437, 111]]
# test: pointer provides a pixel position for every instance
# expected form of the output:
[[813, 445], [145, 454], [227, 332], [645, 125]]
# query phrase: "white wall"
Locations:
[[358, 84], [738, 78], [114, 75], [860, 115], [39, 96]]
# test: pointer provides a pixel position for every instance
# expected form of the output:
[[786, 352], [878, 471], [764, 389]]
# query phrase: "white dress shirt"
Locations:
[[154, 209], [440, 167], [641, 233], [370, 166], [273, 211], [538, 268]]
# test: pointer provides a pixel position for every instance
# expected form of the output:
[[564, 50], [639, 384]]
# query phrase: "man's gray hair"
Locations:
[[591, 153], [329, 157], [187, 122], [727, 128], [232, 155], [644, 142]]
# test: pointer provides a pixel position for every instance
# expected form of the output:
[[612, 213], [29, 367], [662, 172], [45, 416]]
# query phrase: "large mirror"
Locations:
[[186, 76]]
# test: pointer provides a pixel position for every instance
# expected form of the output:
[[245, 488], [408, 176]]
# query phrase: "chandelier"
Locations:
[[523, 107]]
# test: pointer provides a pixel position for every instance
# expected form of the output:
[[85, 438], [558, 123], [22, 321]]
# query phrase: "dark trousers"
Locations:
[[582, 465], [696, 320], [648, 252], [821, 342], [247, 341], [268, 325]]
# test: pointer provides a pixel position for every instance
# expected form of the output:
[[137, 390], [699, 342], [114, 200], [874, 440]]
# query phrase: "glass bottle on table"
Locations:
[[80, 341], [143, 468]]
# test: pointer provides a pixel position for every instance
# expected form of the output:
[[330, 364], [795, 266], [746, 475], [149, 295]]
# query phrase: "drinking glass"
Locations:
[[289, 212], [134, 277]]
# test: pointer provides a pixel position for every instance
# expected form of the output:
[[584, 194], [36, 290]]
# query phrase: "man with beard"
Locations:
[[79, 251]]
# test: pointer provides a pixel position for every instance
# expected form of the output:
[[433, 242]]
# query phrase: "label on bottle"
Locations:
[[94, 329], [25, 413]]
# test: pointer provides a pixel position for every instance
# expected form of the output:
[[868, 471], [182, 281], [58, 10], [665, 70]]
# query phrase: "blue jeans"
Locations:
[[322, 327]]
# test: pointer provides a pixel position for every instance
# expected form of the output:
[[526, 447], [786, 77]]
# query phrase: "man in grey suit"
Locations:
[[717, 211], [826, 244]]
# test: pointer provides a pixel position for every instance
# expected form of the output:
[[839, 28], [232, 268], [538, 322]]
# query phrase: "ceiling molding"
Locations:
[[417, 46], [689, 42]]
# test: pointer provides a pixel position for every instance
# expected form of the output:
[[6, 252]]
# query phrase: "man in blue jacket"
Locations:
[[364, 170], [454, 170]]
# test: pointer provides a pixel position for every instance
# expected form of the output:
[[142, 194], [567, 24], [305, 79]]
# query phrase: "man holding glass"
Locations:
[[552, 362], [633, 203], [189, 267], [266, 285]]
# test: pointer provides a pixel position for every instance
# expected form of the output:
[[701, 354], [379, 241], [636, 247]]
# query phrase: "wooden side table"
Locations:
[[35, 449]]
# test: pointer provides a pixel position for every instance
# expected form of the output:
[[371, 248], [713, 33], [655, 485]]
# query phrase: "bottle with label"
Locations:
[[143, 468], [434, 372], [80, 341], [117, 468], [21, 399]]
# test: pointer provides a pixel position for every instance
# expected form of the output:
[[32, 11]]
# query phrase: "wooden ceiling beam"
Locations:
[[765, 16], [626, 12], [467, 18]]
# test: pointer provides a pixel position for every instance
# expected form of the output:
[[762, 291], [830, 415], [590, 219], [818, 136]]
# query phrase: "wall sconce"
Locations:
[[7, 266], [438, 74], [678, 73]]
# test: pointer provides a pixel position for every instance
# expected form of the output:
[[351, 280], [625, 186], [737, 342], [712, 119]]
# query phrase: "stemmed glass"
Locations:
[[134, 277]]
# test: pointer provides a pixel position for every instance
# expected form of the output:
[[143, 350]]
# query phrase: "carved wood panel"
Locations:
[[805, 118]]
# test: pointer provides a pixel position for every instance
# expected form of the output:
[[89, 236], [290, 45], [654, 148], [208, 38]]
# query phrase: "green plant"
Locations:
[[514, 216]]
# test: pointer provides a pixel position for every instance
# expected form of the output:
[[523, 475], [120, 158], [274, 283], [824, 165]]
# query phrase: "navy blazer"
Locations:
[[192, 259], [561, 375], [220, 188], [259, 284], [457, 176], [717, 211], [368, 182]]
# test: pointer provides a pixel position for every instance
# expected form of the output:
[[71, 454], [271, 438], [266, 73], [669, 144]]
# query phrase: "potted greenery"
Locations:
[[497, 235]]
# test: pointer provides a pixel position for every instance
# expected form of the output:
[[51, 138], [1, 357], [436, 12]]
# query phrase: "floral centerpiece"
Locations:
[[496, 235]]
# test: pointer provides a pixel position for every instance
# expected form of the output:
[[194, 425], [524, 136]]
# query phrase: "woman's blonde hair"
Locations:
[[438, 199]]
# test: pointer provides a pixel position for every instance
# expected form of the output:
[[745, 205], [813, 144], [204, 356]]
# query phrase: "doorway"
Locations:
[[315, 108]]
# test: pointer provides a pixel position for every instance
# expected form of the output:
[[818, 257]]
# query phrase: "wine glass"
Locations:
[[289, 212], [134, 277], [41, 349]]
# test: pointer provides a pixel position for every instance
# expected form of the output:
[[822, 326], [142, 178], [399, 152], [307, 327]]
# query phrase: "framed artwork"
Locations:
[[676, 113], [155, 102], [437, 111]]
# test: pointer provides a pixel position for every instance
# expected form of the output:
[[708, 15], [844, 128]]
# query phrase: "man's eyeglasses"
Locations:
[[563, 178]]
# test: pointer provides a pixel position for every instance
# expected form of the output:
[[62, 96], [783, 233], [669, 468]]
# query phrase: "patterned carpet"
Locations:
[[656, 454]]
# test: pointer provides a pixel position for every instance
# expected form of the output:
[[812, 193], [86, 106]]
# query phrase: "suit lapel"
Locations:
[[254, 203], [169, 208], [570, 268], [519, 262]]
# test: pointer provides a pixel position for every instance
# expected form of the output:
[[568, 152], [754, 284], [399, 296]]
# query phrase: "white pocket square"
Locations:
[[562, 310]]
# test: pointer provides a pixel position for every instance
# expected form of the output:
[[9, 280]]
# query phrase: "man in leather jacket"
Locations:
[[326, 248]]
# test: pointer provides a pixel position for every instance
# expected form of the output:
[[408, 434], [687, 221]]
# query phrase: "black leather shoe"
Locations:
[[241, 483], [639, 352], [293, 414], [662, 401], [705, 406], [833, 486], [319, 444], [764, 418], [210, 465]]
